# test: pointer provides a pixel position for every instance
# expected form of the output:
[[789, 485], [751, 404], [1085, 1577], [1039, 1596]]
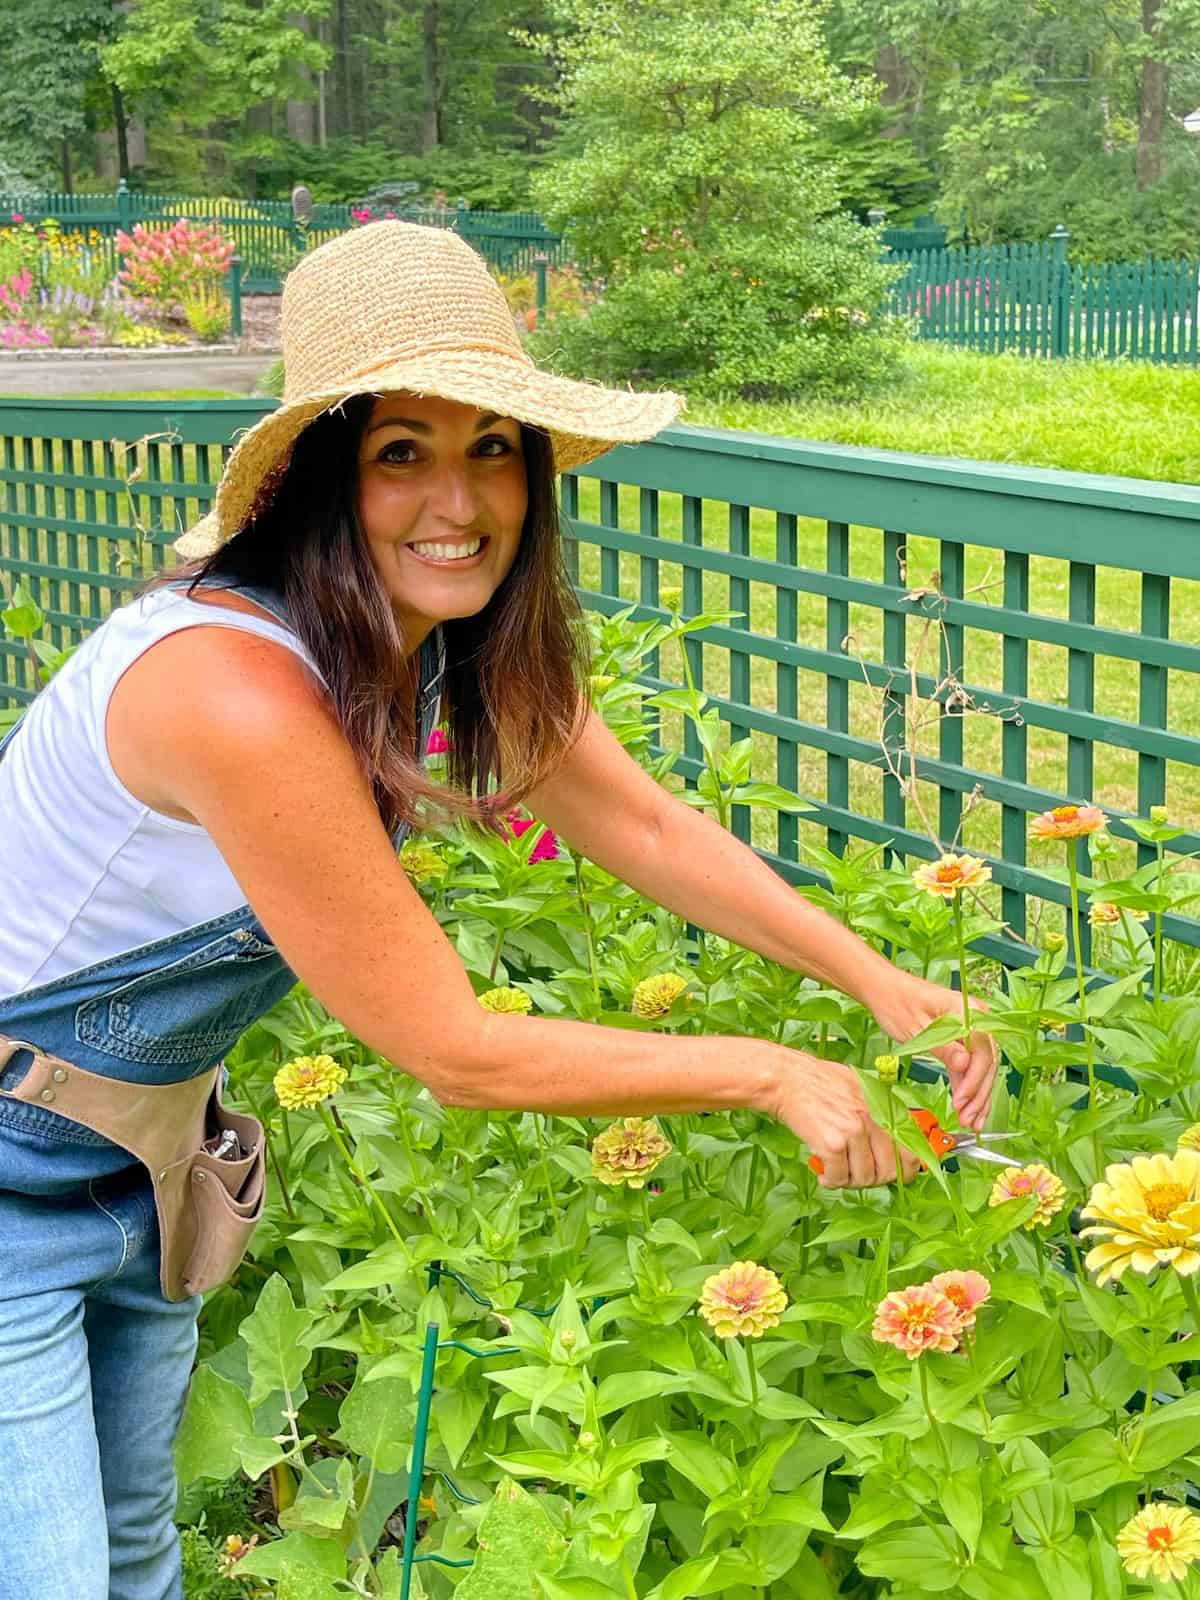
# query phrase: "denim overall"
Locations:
[[94, 1361]]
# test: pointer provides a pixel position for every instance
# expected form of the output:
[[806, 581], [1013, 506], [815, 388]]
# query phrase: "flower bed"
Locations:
[[672, 1362], [58, 289]]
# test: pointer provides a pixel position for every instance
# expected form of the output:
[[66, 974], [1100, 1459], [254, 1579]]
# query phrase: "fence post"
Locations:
[[1060, 295], [540, 262], [124, 207], [235, 296]]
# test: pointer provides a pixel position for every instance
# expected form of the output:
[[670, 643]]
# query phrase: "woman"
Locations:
[[205, 804]]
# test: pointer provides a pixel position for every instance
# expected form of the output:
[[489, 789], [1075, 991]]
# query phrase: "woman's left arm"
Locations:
[[613, 812]]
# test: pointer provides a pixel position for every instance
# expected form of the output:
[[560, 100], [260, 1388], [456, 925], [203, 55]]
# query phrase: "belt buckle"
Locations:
[[8, 1049]]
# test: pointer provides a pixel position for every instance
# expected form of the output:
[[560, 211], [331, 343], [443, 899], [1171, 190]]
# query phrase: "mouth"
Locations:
[[443, 553]]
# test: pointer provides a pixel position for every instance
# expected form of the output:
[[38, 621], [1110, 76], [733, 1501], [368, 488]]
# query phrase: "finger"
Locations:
[[884, 1154], [975, 1088], [836, 1172], [861, 1158]]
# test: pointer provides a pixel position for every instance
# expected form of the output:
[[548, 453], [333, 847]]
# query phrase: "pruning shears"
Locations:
[[945, 1144]]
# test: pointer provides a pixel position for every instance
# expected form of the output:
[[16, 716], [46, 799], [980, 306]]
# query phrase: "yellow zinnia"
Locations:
[[1160, 1542], [307, 1080], [1189, 1139], [421, 863], [742, 1301], [628, 1152], [1147, 1212], [1018, 1183], [506, 1000], [655, 996], [950, 875]]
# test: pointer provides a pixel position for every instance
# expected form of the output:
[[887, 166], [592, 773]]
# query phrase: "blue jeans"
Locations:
[[94, 1370]]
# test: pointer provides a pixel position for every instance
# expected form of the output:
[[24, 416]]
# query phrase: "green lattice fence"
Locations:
[[1040, 627]]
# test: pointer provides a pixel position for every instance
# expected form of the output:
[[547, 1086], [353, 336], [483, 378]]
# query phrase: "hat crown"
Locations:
[[384, 291]]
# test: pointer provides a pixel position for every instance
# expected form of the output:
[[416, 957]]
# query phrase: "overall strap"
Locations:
[[8, 737]]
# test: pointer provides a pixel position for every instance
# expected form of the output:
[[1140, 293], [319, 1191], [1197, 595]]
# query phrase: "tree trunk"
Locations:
[[301, 113], [430, 130], [1153, 109], [68, 185], [892, 70], [341, 62], [122, 142]]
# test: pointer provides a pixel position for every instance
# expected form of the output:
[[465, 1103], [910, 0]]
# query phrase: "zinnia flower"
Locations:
[[546, 849], [916, 1320], [966, 1292], [888, 1068], [1189, 1139], [1068, 822], [655, 996], [1147, 1212], [307, 1080], [742, 1301], [234, 1549], [421, 863], [628, 1152], [951, 875], [1102, 913], [1017, 1183], [505, 1000], [437, 744], [1160, 1542]]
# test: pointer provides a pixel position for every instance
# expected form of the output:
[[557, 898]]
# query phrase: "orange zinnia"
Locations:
[[1068, 822], [950, 875]]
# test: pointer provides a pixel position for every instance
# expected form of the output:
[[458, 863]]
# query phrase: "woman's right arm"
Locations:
[[255, 755]]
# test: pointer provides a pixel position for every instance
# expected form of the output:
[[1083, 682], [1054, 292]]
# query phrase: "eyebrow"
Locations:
[[486, 421]]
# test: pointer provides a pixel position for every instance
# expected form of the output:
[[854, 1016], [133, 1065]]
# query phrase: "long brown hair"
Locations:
[[513, 671]]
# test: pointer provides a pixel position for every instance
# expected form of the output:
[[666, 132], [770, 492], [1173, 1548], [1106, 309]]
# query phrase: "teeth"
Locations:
[[447, 552]]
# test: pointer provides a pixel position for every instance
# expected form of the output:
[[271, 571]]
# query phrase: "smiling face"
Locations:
[[441, 498]]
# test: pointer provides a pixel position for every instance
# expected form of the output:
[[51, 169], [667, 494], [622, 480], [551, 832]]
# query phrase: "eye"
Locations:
[[494, 446], [388, 453]]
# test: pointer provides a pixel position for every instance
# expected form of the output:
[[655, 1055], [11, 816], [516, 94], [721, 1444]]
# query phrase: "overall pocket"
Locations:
[[208, 1207], [192, 1010]]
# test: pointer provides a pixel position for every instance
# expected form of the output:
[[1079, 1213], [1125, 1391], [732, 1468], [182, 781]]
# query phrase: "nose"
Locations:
[[452, 498]]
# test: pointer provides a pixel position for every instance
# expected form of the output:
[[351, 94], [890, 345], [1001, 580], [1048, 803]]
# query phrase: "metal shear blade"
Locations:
[[970, 1144]]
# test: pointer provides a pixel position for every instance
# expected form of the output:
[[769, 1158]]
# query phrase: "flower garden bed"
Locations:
[[669, 1361]]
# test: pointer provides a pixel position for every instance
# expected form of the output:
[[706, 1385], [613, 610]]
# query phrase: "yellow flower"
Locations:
[[1160, 1542], [951, 875], [1019, 1183], [742, 1301], [1102, 913], [234, 1549], [307, 1081], [1054, 942], [628, 1152], [1147, 1212], [1159, 814], [670, 597], [1189, 1139], [655, 996], [505, 1000], [421, 863]]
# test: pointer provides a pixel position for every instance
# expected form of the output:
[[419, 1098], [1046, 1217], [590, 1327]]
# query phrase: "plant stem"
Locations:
[[272, 1155], [545, 1165], [1158, 889], [334, 1123], [1088, 1042], [962, 967], [753, 1173], [627, 1578], [933, 1427], [496, 955], [1188, 1285], [901, 1196], [753, 1370], [589, 932]]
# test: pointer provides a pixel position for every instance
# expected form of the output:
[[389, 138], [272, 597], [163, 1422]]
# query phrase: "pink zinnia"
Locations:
[[18, 216], [966, 1291], [916, 1320], [1068, 822], [438, 743], [546, 849]]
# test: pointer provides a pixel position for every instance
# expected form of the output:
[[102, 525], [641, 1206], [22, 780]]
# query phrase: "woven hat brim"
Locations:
[[583, 420]]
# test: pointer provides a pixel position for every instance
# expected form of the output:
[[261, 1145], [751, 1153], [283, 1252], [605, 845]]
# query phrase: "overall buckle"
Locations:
[[8, 1049]]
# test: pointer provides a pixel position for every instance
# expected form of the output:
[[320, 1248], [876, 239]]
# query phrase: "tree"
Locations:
[[48, 57], [687, 180]]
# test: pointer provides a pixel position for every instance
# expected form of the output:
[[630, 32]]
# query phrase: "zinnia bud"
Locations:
[[888, 1068]]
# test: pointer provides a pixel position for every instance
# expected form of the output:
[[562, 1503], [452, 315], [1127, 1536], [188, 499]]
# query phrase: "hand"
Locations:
[[971, 1063], [822, 1103]]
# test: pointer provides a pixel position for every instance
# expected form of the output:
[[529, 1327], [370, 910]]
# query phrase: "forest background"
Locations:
[[1002, 120]]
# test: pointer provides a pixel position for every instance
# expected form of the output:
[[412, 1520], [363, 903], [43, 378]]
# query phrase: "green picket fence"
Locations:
[[917, 640], [1029, 298], [268, 238]]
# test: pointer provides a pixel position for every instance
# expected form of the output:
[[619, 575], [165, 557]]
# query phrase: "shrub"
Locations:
[[165, 265], [207, 313]]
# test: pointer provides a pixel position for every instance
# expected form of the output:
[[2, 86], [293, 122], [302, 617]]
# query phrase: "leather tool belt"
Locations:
[[208, 1205]]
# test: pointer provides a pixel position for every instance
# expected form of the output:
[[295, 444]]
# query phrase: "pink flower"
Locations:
[[966, 1291], [18, 216], [916, 1320], [438, 744], [1068, 822], [546, 849]]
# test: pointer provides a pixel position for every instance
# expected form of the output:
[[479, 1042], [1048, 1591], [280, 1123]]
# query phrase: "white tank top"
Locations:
[[86, 870]]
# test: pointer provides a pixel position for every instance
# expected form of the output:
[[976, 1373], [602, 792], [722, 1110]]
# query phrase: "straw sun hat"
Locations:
[[394, 307]]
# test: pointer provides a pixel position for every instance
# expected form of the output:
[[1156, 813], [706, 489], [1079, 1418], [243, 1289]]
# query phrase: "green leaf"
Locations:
[[621, 1389], [517, 1544], [574, 1588], [274, 1336], [915, 1556], [696, 1459], [1065, 1570], [24, 617], [1169, 1432], [298, 1549], [1092, 1463], [372, 1419], [302, 1583], [218, 1415], [961, 1497], [686, 1581]]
